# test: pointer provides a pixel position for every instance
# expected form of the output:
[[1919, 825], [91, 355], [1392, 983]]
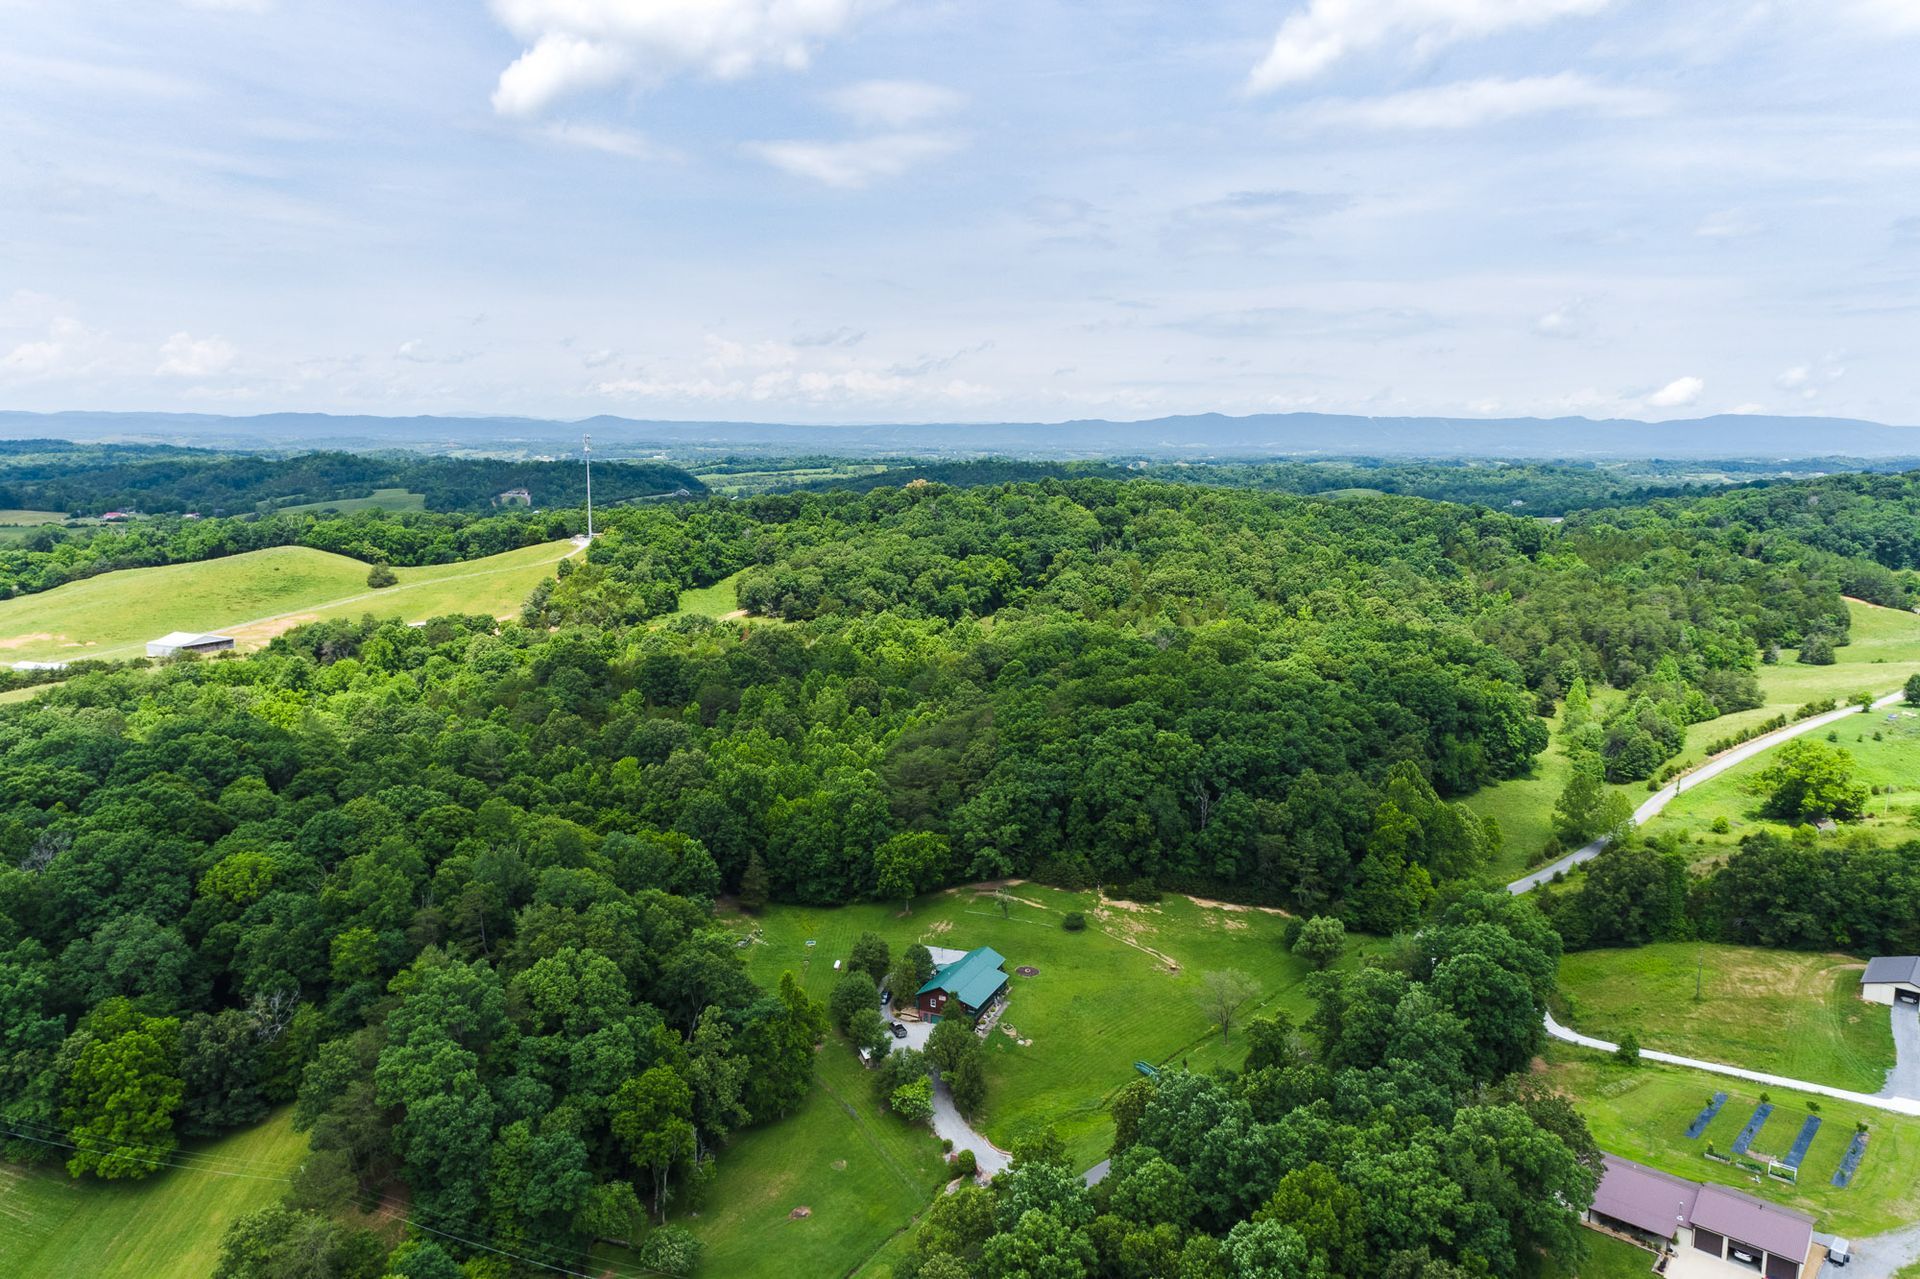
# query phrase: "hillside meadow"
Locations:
[[254, 596]]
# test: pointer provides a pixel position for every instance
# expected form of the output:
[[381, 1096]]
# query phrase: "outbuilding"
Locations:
[[181, 643], [970, 984], [1891, 979]]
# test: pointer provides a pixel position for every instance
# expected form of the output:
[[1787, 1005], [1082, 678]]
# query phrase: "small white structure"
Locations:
[[1891, 979], [180, 643], [39, 666]]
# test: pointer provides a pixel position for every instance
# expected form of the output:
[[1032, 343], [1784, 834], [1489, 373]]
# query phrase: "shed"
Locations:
[[972, 982], [1714, 1231], [1891, 979], [179, 643]]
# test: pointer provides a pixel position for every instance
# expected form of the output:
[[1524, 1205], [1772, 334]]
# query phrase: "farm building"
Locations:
[[180, 643], [972, 982], [1712, 1231], [1891, 979]]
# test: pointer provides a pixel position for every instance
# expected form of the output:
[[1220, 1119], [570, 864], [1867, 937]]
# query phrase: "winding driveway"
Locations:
[[1687, 781]]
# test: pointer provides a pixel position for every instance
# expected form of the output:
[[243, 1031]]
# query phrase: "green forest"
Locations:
[[451, 892]]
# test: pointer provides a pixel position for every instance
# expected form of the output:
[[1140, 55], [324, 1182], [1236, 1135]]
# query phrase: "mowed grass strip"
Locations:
[[256, 595], [1125, 990], [1782, 1012], [1642, 1113], [167, 1226], [397, 499], [862, 1174], [716, 600], [1607, 1258]]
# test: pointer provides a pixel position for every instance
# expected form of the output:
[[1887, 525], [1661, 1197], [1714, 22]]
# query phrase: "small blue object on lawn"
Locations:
[[1752, 1130], [1851, 1160], [1705, 1117], [1147, 1068], [1800, 1143]]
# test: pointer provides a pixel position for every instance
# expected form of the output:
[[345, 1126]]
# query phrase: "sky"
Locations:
[[929, 210]]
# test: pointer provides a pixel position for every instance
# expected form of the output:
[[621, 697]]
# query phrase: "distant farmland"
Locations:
[[254, 597]]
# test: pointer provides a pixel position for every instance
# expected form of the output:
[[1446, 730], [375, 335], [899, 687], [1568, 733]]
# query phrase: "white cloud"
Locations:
[[578, 45], [1471, 103], [184, 355], [613, 141], [1678, 393], [857, 162], [230, 6], [1324, 32], [1568, 320], [69, 347], [1729, 224], [1902, 17], [895, 104]]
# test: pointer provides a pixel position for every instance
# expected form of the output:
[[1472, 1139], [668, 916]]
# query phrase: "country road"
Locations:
[[1687, 781]]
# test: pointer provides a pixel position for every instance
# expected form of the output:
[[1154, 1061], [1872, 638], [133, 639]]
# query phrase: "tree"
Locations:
[[1911, 694], [1577, 710], [281, 1243], [652, 1117], [778, 1042], [1322, 940], [672, 1251], [1811, 781], [913, 1101], [853, 993], [968, 1084], [1627, 1053], [753, 885], [380, 575], [1577, 812], [1817, 650], [870, 955], [868, 1029], [910, 972], [1222, 992], [909, 863], [122, 1085]]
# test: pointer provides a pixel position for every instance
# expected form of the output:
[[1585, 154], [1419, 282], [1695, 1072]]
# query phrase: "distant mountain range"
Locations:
[[1208, 435]]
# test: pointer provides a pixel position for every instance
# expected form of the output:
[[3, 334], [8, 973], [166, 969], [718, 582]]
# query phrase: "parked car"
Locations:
[[886, 997], [899, 1029]]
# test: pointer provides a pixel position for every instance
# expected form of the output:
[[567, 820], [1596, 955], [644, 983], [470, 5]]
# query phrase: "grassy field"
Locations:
[[747, 483], [1524, 808], [254, 597], [14, 518], [1891, 764], [1642, 1113], [863, 1175], [378, 500], [1104, 998], [165, 1227], [1783, 1012], [717, 600], [1607, 1258]]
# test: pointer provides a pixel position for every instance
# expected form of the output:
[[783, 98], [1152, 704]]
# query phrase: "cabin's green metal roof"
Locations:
[[972, 979]]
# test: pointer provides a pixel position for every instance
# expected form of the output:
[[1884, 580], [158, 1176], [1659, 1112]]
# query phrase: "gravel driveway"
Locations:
[[1904, 1079]]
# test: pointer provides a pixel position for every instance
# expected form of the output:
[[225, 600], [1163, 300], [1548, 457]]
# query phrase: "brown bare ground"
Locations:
[[261, 633], [21, 641]]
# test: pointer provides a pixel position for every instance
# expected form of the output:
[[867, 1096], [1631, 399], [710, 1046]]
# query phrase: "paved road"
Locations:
[[1687, 781], [1904, 1079], [948, 1122], [1882, 1256], [1898, 1105]]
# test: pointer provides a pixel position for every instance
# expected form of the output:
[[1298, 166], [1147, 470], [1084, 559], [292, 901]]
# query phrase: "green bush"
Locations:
[[1074, 921], [965, 1164]]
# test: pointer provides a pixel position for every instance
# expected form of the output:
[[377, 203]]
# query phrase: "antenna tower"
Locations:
[[586, 450]]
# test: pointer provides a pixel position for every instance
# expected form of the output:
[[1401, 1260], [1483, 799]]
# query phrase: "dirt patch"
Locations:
[[1027, 970], [940, 928], [1237, 907], [261, 633], [1116, 903], [799, 1213], [839, 1165], [38, 637]]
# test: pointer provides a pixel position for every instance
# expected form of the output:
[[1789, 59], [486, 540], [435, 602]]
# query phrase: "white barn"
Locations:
[[1891, 979], [177, 643]]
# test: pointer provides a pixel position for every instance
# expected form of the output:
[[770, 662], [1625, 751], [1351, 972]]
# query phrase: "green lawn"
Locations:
[[1642, 1113], [1524, 808], [1607, 1258], [864, 1175], [1104, 998], [254, 597], [1783, 1012], [398, 499], [14, 517], [716, 600], [165, 1227]]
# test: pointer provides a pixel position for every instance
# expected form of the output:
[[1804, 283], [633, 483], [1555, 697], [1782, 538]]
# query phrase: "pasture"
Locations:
[[863, 1175], [167, 1226], [717, 600], [1642, 1113], [398, 499], [1783, 1012], [254, 597], [1124, 990]]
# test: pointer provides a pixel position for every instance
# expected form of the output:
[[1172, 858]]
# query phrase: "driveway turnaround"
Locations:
[[1904, 1079], [1898, 1105], [948, 1122], [1687, 781]]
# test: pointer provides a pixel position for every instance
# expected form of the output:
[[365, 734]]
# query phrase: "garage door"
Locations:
[[1907, 996]]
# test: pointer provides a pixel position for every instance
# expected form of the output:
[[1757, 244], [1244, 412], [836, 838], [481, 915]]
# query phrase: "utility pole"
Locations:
[[586, 451]]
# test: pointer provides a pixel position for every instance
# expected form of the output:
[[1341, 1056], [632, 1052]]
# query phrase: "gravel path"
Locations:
[[948, 1122], [1881, 1256], [1687, 781], [1899, 1105]]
